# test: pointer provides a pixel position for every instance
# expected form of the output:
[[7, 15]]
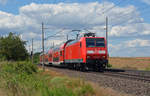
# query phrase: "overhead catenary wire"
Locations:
[[143, 12], [129, 14], [107, 10], [124, 16], [125, 22], [54, 35]]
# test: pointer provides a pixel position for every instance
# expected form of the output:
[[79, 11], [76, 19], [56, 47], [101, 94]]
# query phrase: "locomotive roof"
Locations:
[[69, 42], [77, 40]]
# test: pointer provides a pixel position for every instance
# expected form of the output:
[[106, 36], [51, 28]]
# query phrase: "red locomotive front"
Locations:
[[87, 53], [96, 53]]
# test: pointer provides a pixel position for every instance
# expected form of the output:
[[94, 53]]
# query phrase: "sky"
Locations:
[[128, 22]]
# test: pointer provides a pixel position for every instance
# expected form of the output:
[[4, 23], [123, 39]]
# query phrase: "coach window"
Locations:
[[50, 55], [60, 53]]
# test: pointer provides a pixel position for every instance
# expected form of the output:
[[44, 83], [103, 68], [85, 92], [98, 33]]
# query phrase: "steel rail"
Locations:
[[128, 76]]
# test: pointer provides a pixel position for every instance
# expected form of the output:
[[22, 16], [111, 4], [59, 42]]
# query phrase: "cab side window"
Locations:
[[80, 44]]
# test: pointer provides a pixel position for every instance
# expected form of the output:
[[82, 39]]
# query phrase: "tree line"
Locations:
[[12, 47]]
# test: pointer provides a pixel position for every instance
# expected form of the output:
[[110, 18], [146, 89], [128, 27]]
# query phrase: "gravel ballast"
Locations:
[[136, 88]]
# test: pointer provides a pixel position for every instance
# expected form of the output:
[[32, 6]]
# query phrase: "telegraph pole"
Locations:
[[53, 44], [29, 53], [43, 59], [107, 32], [106, 28], [67, 37], [32, 51]]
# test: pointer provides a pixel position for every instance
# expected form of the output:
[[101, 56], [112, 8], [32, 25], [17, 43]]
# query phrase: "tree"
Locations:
[[36, 57], [13, 48]]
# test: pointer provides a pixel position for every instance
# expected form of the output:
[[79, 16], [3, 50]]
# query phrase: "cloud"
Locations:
[[68, 15], [131, 30], [131, 44], [138, 43], [146, 1], [75, 15], [136, 47], [31, 35], [3, 2], [60, 15], [123, 21]]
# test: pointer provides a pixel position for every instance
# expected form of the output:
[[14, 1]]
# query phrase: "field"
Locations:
[[26, 79], [137, 63]]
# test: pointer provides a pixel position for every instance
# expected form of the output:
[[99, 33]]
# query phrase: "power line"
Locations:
[[54, 35], [116, 18], [127, 16], [130, 14], [126, 23], [107, 10]]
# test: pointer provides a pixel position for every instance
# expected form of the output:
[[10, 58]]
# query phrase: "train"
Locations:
[[85, 53]]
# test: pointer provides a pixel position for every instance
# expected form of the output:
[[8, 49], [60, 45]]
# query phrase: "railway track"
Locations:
[[108, 79], [128, 76], [120, 73]]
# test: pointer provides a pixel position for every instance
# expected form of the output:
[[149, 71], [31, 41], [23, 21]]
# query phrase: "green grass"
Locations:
[[24, 79], [109, 65]]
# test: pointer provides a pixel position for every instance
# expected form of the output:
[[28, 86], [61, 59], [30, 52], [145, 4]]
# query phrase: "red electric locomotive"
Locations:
[[89, 52], [86, 53]]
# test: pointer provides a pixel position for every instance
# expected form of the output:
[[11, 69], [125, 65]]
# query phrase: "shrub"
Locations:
[[109, 65], [19, 67], [13, 48], [16, 76], [23, 79]]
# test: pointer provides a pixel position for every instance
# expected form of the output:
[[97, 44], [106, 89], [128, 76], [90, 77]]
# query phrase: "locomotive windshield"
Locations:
[[95, 42]]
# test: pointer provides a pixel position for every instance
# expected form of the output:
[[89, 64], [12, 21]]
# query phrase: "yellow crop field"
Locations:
[[138, 63]]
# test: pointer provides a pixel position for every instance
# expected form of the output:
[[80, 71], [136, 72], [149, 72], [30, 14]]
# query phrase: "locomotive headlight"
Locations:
[[90, 51], [102, 52], [88, 57]]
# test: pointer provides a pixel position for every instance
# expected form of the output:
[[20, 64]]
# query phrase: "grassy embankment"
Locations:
[[137, 63], [25, 79]]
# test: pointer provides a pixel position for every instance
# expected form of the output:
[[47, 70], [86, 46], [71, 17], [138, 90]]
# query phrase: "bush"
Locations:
[[36, 57], [23, 79], [13, 48], [109, 65], [16, 76], [19, 68], [2, 58]]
